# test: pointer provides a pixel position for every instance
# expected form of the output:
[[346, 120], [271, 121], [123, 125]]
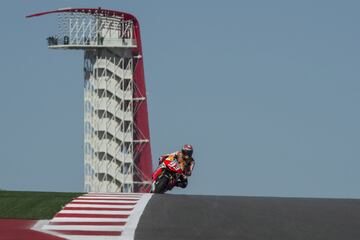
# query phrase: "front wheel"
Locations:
[[161, 184]]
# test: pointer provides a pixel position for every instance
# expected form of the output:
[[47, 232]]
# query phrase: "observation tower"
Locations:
[[117, 153]]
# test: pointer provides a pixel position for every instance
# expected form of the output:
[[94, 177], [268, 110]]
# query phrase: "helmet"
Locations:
[[187, 150]]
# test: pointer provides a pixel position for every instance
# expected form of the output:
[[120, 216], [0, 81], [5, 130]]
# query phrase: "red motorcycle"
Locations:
[[166, 176]]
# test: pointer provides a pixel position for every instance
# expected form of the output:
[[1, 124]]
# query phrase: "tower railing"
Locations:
[[82, 30]]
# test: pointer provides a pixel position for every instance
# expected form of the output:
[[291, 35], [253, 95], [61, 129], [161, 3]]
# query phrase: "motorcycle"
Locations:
[[166, 176]]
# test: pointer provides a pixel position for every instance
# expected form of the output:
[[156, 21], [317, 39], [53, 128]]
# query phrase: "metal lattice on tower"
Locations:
[[117, 154]]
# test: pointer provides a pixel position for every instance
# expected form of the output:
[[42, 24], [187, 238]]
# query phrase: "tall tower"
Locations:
[[117, 153]]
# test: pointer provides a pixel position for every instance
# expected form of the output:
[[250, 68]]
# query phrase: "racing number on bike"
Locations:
[[174, 164]]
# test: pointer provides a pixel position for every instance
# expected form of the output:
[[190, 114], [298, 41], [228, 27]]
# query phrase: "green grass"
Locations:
[[33, 205]]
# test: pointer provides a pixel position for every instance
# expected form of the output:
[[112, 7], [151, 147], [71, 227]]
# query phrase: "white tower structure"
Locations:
[[117, 154]]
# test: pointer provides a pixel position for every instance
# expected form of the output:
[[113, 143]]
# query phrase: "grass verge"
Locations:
[[33, 205]]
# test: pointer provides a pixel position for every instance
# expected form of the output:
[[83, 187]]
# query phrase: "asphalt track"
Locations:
[[189, 217], [248, 218]]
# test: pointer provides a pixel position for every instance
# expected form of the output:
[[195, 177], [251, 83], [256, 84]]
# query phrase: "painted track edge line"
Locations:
[[134, 218]]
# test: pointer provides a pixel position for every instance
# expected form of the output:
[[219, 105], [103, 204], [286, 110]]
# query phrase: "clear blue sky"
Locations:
[[266, 91]]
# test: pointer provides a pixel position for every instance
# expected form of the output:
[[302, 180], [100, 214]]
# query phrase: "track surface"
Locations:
[[248, 218], [212, 217]]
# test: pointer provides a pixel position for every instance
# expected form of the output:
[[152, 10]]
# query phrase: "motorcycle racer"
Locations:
[[185, 161]]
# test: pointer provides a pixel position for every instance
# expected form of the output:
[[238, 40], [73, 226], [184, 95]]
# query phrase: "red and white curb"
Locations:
[[93, 216]]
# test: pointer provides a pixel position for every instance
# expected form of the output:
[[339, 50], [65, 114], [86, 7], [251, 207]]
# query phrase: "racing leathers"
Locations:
[[186, 164]]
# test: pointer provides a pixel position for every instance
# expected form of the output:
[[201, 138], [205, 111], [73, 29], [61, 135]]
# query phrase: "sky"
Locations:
[[267, 92]]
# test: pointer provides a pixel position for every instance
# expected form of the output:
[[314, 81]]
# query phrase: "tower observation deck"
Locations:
[[117, 153]]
